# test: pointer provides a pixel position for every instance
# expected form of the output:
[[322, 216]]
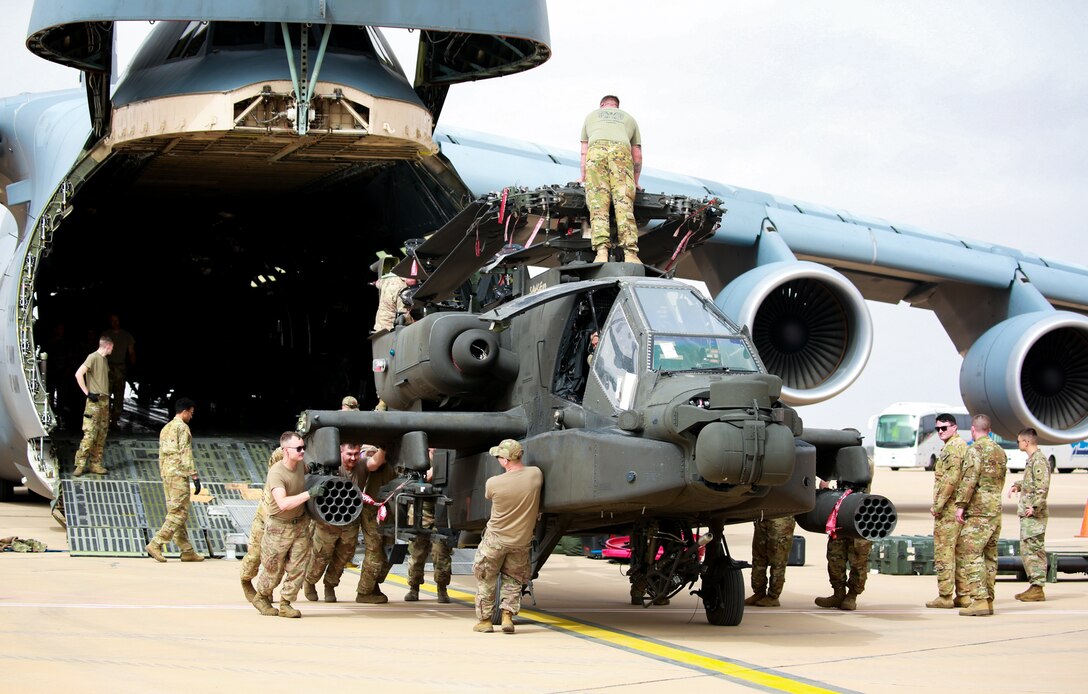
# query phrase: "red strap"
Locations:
[[539, 223], [833, 519], [502, 206]]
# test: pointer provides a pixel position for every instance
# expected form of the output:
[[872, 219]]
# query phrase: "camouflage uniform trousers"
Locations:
[[285, 554], [946, 531], [332, 549], [976, 555], [436, 548], [839, 552], [610, 180], [375, 566], [117, 391], [771, 544], [96, 424], [251, 563], [176, 489], [493, 559], [1033, 547]]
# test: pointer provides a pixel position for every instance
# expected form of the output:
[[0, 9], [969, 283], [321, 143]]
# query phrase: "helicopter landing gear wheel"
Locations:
[[722, 592]]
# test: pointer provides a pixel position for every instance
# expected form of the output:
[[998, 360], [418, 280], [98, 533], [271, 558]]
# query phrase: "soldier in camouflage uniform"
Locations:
[[332, 547], [1033, 513], [93, 379], [436, 548], [505, 547], [375, 565], [176, 467], [771, 544], [251, 563], [285, 547], [611, 165], [978, 510], [946, 530], [843, 552]]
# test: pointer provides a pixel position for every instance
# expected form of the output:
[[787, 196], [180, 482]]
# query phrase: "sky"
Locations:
[[969, 118]]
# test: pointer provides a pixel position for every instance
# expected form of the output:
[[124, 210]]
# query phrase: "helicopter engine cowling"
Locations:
[[809, 324], [1031, 371], [443, 355]]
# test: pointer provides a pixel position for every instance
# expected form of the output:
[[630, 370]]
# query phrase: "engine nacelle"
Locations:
[[1031, 371], [443, 355], [809, 323]]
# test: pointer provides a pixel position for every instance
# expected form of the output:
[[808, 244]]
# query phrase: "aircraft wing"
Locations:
[[798, 274]]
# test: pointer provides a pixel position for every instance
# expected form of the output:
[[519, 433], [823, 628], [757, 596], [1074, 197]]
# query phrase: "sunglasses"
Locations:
[[296, 449], [943, 428]]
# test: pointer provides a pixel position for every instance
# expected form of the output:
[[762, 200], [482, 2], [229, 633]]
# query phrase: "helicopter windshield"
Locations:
[[679, 310], [614, 362], [688, 352]]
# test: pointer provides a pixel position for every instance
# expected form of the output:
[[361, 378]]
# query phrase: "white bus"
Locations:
[[905, 436]]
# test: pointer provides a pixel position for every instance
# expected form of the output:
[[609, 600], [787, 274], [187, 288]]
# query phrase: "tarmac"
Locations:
[[93, 624]]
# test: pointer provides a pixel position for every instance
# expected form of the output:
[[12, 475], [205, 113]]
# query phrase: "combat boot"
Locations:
[[412, 595], [942, 602], [631, 256], [962, 601], [483, 626], [754, 598], [191, 556], [507, 622], [330, 593], [154, 550], [832, 600], [248, 589], [375, 598], [1032, 594], [310, 591], [443, 596], [287, 611], [977, 608], [602, 255], [768, 601], [264, 605], [78, 472], [97, 469], [850, 602]]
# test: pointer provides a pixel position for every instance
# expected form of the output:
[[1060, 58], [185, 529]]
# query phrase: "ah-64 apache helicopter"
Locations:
[[671, 424]]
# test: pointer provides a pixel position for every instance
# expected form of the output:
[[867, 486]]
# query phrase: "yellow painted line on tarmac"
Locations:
[[733, 670]]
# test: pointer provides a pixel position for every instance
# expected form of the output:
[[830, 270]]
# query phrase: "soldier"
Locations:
[[504, 548], [1033, 513], [843, 551], [251, 563], [391, 301], [375, 565], [611, 165], [946, 530], [333, 547], [176, 467], [93, 379], [436, 548], [978, 511], [771, 544], [124, 351], [349, 403], [285, 547]]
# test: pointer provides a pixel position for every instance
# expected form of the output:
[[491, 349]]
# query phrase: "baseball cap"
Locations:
[[350, 402], [509, 449]]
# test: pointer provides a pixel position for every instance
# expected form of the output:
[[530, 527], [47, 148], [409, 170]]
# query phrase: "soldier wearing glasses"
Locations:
[[285, 547], [946, 531]]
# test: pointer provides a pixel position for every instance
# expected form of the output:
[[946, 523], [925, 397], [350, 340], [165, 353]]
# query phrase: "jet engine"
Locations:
[[809, 323], [1031, 370], [443, 355]]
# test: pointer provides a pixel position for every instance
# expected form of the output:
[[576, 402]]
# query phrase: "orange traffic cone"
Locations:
[[1084, 523]]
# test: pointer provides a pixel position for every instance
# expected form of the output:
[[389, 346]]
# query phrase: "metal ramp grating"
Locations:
[[107, 542]]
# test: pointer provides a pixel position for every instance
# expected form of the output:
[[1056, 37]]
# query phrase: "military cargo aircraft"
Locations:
[[191, 194]]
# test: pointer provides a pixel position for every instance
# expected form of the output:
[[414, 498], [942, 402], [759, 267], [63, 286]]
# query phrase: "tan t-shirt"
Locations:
[[97, 376], [610, 124], [291, 482], [515, 503]]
